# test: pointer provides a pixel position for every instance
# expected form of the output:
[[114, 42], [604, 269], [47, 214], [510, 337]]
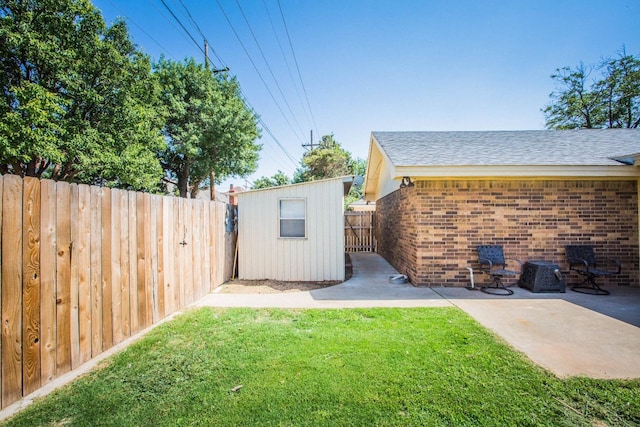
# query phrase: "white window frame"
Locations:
[[280, 218]]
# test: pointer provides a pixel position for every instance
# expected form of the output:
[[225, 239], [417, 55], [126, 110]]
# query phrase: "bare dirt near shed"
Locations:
[[270, 286]]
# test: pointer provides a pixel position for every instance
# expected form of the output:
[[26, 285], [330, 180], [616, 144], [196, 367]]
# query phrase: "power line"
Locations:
[[255, 67], [139, 27], [297, 66], [185, 29], [255, 39], [244, 97], [284, 57], [201, 34], [242, 93]]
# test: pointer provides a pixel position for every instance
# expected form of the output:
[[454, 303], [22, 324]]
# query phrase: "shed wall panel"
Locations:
[[318, 257]]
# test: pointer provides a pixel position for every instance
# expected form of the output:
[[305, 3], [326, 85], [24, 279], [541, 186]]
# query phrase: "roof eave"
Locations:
[[542, 171]]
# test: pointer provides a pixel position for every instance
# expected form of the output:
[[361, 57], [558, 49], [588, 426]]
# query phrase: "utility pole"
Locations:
[[206, 60], [310, 144]]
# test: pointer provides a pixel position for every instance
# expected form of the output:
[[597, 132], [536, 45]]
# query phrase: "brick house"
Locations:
[[440, 194]]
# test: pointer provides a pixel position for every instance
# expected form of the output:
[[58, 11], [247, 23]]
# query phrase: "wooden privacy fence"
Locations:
[[85, 267], [358, 232]]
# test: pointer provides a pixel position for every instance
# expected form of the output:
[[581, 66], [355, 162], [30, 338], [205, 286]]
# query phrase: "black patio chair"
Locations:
[[493, 262], [582, 260]]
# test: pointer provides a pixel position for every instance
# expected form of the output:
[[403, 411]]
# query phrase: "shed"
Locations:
[[440, 194], [294, 232]]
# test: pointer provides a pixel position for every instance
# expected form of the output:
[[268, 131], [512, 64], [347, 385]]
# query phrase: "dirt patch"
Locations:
[[270, 286]]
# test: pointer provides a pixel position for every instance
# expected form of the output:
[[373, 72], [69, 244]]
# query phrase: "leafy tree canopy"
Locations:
[[329, 160], [277, 180], [209, 128], [603, 96], [78, 98]]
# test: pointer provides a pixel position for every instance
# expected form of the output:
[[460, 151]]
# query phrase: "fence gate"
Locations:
[[358, 232]]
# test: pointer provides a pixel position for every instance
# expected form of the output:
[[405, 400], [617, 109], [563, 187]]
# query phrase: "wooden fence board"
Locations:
[[153, 257], [125, 269], [31, 286], [11, 290], [82, 254], [116, 275], [207, 245], [96, 271], [133, 263], [48, 281], [74, 322], [167, 259], [107, 297], [148, 273], [178, 254], [1, 191], [202, 254], [63, 278], [142, 217], [160, 268], [195, 243]]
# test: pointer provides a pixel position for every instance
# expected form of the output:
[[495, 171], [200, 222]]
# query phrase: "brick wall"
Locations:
[[430, 231]]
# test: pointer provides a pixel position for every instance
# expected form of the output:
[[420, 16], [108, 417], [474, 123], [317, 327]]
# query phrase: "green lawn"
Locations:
[[366, 367]]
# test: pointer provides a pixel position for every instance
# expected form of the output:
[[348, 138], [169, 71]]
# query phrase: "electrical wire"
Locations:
[[295, 59], [244, 97], [255, 39], [139, 27], [255, 67], [201, 33], [286, 62], [183, 27]]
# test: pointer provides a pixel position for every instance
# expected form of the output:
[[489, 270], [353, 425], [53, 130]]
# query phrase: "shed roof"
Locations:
[[593, 147], [347, 182]]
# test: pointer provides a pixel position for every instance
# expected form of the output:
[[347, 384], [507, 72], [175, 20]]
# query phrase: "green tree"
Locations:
[[620, 89], [329, 160], [78, 99], [609, 99], [277, 180], [209, 128]]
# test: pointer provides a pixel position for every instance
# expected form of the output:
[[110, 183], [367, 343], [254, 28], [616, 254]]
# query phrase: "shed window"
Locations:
[[293, 217]]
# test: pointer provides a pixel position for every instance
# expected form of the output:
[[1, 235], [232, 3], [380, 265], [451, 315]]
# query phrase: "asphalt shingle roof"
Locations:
[[585, 147]]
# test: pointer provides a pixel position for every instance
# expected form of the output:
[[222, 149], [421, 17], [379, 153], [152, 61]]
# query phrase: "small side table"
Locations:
[[542, 276]]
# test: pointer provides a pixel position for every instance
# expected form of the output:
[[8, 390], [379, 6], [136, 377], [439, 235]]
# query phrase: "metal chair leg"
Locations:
[[590, 287], [497, 288]]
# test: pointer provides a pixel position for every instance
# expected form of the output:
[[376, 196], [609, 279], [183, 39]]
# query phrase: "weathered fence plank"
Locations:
[[11, 290], [1, 191], [96, 271], [74, 324], [148, 271], [107, 297], [82, 254], [160, 267], [116, 275], [31, 286], [63, 278], [125, 269], [48, 281], [167, 257], [153, 257], [141, 297], [133, 263]]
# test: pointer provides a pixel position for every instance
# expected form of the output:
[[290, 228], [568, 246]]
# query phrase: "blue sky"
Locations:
[[388, 65]]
